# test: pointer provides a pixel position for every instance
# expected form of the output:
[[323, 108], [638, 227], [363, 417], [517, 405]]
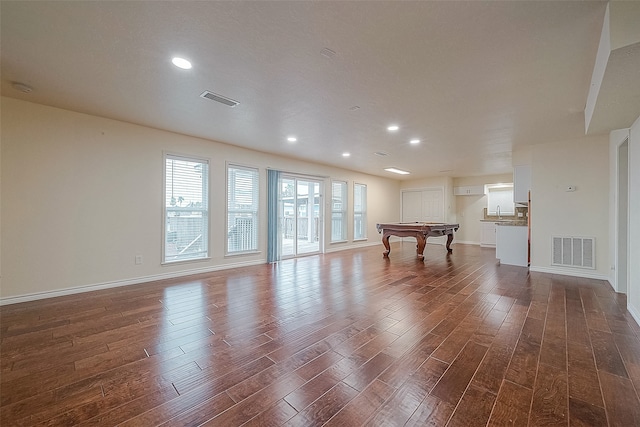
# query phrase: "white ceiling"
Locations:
[[473, 80]]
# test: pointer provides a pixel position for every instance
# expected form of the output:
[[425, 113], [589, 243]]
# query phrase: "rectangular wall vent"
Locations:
[[219, 98], [570, 251]]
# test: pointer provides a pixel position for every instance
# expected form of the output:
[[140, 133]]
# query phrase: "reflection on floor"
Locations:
[[343, 339]]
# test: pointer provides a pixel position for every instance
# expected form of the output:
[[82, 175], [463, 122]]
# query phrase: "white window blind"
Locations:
[[500, 196], [359, 211], [242, 209], [338, 211], [186, 208]]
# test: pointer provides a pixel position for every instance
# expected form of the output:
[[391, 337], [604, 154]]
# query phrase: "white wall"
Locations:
[[470, 209], [633, 297], [82, 196], [583, 163]]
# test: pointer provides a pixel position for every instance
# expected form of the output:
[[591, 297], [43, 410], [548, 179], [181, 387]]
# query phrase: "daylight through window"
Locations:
[[500, 199], [186, 207], [338, 211], [242, 209], [359, 211]]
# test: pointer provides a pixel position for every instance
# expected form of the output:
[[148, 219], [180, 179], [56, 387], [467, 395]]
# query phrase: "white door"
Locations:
[[424, 206], [301, 216], [411, 206], [433, 205]]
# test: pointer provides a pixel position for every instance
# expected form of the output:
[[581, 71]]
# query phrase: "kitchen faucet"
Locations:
[[498, 210]]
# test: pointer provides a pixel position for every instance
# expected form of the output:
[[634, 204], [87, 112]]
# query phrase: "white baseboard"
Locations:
[[587, 274], [117, 283], [337, 247], [634, 313], [145, 279]]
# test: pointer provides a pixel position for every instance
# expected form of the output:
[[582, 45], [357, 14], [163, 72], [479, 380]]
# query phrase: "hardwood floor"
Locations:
[[343, 339]]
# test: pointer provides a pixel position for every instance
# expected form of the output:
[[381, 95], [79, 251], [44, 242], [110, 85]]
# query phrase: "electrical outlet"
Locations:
[[138, 259]]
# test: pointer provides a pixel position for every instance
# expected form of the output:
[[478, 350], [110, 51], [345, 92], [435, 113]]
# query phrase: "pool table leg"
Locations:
[[449, 240], [422, 242], [385, 242]]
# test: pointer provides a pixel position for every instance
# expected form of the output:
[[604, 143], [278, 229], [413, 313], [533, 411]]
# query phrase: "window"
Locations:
[[242, 209], [338, 211], [186, 209], [359, 211], [500, 196]]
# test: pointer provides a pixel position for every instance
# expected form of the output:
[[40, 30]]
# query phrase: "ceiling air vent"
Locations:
[[219, 98]]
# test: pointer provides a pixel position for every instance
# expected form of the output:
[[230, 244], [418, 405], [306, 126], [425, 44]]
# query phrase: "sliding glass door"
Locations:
[[300, 216]]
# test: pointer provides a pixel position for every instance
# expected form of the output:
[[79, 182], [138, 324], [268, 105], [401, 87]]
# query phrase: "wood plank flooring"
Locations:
[[342, 339]]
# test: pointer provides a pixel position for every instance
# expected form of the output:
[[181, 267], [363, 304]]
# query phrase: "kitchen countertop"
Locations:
[[512, 222]]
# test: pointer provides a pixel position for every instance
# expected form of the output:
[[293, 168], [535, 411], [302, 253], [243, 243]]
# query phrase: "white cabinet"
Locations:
[[469, 190], [521, 184], [487, 234], [512, 245]]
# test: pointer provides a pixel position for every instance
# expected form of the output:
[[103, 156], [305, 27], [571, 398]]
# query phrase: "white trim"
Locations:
[[299, 174], [569, 272], [344, 211], [229, 165], [118, 283], [364, 212], [635, 314], [626, 138], [184, 261], [339, 248], [236, 254], [322, 230], [166, 154], [468, 242]]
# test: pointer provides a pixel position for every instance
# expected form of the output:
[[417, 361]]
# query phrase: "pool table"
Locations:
[[419, 230]]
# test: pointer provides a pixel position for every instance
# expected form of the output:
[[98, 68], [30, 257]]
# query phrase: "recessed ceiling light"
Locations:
[[346, 154], [393, 128], [414, 141], [292, 139], [181, 63], [398, 171]]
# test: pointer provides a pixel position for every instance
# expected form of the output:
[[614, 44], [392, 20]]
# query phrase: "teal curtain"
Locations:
[[273, 236]]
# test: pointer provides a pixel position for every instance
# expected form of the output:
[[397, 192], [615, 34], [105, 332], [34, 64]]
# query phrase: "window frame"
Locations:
[[255, 212], [206, 209], [343, 211], [495, 188], [362, 212]]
